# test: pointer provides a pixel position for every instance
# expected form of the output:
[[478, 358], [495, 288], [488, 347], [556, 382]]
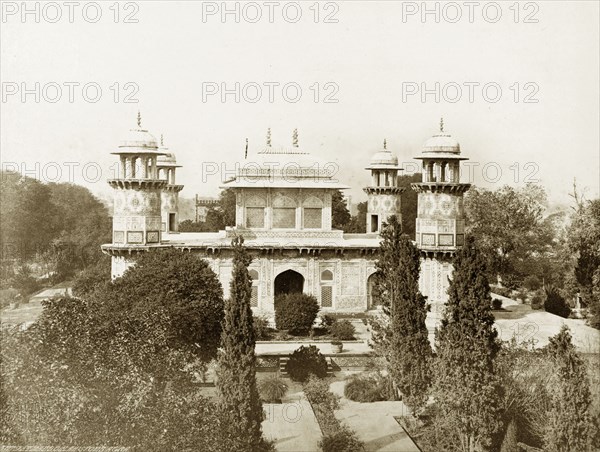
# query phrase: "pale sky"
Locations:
[[371, 57]]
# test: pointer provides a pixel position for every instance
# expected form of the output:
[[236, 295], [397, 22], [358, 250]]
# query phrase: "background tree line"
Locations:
[[52, 229]]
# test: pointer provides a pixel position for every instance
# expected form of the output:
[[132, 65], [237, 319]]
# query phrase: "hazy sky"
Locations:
[[369, 56]]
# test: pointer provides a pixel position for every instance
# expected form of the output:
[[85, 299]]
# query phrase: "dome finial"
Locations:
[[295, 138], [269, 137], [384, 143], [161, 140], [442, 124], [139, 119]]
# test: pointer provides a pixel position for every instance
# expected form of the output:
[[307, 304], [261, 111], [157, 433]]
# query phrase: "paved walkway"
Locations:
[[292, 424], [27, 313], [374, 423]]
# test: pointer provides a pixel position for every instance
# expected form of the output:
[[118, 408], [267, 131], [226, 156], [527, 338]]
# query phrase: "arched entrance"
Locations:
[[289, 282], [372, 299]]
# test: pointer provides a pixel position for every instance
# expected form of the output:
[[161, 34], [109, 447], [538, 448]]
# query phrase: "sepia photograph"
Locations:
[[300, 226]]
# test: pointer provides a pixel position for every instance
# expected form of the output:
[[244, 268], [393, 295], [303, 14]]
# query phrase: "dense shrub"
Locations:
[[344, 440], [522, 295], [532, 283], [262, 331], [317, 392], [24, 282], [272, 389], [537, 301], [366, 388], [496, 304], [555, 303], [306, 361], [295, 312], [327, 320], [342, 329]]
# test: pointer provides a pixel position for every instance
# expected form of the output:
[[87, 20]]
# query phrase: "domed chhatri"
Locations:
[[383, 159], [166, 164], [442, 143], [167, 158], [383, 192], [440, 224], [138, 141], [137, 192]]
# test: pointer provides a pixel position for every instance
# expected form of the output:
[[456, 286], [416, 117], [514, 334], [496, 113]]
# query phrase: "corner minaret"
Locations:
[[166, 164], [383, 192], [440, 227], [137, 189]]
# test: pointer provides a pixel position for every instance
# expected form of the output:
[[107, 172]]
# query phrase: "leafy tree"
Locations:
[[466, 386], [236, 385], [409, 203], [507, 224], [192, 226], [69, 381], [409, 348], [358, 222], [584, 240], [569, 426], [179, 283], [29, 218], [83, 222], [340, 216]]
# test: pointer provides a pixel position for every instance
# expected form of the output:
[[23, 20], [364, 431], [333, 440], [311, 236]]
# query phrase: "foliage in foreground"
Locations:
[[239, 401], [120, 367], [66, 385], [466, 386], [343, 440], [408, 351], [173, 281], [569, 426]]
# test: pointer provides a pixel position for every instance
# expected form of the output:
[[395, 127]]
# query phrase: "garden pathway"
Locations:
[[292, 424], [374, 423]]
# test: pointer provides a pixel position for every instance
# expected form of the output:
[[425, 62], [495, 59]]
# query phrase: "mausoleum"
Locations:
[[284, 212]]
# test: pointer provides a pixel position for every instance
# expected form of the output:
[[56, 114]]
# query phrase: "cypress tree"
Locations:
[[569, 426], [409, 350], [465, 386], [239, 400]]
